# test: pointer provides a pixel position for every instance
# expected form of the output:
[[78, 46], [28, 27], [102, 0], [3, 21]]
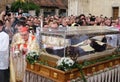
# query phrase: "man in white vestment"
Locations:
[[4, 54], [20, 49]]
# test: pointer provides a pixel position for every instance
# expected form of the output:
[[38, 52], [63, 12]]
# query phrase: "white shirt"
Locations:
[[4, 50]]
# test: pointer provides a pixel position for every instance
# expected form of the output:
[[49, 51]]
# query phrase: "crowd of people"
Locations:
[[12, 23], [22, 32]]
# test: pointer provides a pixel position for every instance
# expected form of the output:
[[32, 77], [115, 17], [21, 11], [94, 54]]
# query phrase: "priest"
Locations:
[[19, 50]]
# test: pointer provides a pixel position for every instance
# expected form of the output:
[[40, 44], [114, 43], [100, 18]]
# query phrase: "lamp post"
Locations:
[[28, 5]]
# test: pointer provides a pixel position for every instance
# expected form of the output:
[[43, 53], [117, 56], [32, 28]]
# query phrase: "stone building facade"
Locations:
[[109, 8]]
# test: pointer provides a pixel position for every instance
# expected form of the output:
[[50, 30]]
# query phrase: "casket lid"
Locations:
[[82, 30]]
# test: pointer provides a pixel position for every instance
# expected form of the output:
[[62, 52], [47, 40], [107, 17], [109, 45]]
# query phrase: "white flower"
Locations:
[[59, 62], [65, 60], [69, 61], [17, 52], [32, 53]]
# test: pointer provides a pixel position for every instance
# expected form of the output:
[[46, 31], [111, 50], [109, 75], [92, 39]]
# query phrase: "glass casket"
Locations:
[[79, 43]]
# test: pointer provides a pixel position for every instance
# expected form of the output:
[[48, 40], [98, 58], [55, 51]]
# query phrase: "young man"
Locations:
[[4, 54]]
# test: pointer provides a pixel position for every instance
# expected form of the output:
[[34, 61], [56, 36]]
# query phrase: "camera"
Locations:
[[92, 18], [8, 11]]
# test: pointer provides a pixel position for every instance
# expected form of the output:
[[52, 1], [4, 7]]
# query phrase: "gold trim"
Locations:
[[55, 75]]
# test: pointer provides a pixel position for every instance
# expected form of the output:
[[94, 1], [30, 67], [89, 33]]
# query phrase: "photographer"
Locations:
[[92, 20]]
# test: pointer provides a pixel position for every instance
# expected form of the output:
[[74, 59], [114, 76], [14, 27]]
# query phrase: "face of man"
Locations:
[[108, 22], [19, 27], [25, 35], [54, 26]]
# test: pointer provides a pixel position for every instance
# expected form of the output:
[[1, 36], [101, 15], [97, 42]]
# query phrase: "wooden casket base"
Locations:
[[111, 75], [53, 74]]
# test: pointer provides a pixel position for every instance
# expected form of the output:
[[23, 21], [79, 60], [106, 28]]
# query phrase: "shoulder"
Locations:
[[17, 34], [5, 34]]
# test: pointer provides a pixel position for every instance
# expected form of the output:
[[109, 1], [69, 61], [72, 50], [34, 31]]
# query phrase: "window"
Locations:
[[115, 12]]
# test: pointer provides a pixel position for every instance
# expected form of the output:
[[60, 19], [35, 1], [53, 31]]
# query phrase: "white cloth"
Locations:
[[4, 41], [38, 35], [4, 50], [119, 74], [55, 42], [115, 80], [112, 40], [118, 36]]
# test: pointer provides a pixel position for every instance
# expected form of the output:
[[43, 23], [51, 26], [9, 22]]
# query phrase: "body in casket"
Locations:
[[55, 45], [83, 45]]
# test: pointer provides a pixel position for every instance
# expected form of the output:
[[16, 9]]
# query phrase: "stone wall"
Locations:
[[76, 7], [96, 7], [104, 7]]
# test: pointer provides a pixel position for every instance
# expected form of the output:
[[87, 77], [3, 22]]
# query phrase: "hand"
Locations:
[[25, 49]]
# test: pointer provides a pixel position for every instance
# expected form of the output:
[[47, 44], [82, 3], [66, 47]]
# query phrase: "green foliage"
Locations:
[[87, 63], [16, 5], [66, 64], [32, 57], [25, 6]]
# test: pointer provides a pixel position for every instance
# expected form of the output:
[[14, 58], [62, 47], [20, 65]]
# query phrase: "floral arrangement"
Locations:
[[65, 64], [32, 57]]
